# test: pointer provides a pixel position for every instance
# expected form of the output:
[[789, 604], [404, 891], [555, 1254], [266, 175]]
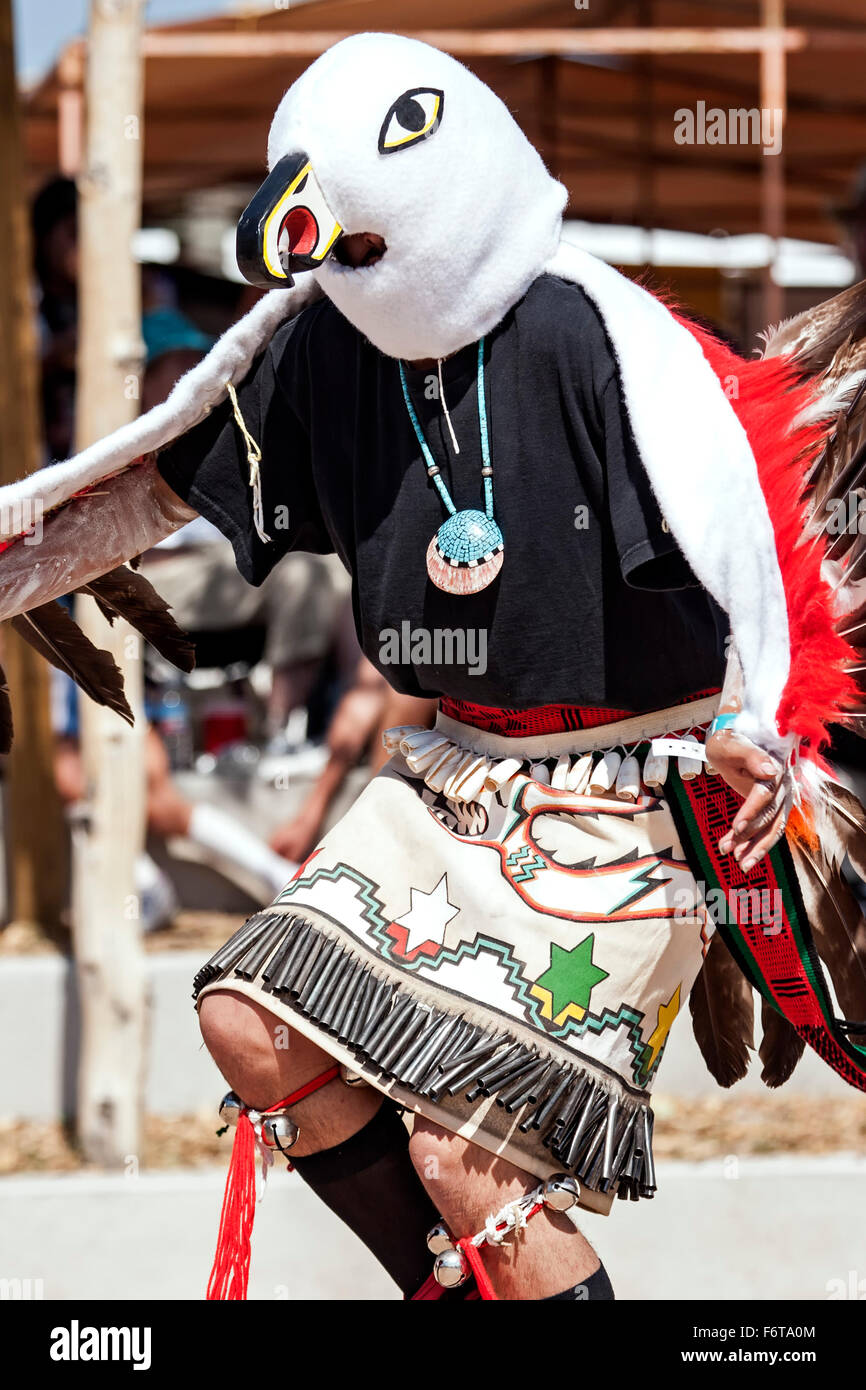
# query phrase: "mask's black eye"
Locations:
[[413, 117]]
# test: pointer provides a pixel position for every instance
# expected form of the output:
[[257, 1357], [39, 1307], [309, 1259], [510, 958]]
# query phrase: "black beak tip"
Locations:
[[249, 255]]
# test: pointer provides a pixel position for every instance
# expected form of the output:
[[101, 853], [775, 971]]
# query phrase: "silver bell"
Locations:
[[439, 1239], [561, 1192], [451, 1268], [279, 1132], [352, 1078], [230, 1108]]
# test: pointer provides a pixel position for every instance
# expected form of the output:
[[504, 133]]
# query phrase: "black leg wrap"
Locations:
[[592, 1289], [370, 1183]]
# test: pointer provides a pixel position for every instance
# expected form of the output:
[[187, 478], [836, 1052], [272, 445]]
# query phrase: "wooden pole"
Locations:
[[773, 99], [547, 106], [110, 831], [70, 112], [645, 133], [36, 834], [511, 43]]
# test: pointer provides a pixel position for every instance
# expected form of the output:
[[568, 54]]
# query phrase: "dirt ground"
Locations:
[[710, 1127], [190, 931], [707, 1128]]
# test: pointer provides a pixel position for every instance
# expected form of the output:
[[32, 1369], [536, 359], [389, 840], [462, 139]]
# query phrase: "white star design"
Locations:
[[428, 915]]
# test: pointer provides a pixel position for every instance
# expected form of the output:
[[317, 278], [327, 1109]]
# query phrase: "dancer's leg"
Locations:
[[353, 1145], [548, 1258]]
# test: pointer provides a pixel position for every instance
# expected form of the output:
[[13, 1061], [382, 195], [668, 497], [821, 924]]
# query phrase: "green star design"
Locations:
[[571, 976]]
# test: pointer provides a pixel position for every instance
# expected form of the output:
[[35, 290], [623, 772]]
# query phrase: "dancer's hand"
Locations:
[[764, 782], [296, 838]]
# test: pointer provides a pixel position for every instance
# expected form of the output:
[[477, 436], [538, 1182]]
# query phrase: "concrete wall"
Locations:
[[39, 1028], [39, 1044]]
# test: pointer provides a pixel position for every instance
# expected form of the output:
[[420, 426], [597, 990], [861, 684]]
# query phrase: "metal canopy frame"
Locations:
[[772, 42]]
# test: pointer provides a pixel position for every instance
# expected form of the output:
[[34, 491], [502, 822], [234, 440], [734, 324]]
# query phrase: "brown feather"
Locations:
[[844, 827], [723, 1014], [125, 594], [837, 924], [817, 335], [52, 632], [108, 613], [840, 465], [5, 714], [828, 343], [781, 1047]]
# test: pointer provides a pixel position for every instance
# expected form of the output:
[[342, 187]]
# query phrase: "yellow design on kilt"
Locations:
[[659, 1036], [565, 988]]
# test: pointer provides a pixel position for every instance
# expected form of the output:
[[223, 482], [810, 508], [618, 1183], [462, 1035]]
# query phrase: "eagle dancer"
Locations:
[[499, 434]]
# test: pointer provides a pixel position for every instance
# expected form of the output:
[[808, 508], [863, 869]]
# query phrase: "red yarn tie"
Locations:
[[230, 1276], [476, 1264], [231, 1267]]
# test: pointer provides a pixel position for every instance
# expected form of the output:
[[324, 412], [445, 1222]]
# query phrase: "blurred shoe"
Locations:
[[156, 896], [306, 761]]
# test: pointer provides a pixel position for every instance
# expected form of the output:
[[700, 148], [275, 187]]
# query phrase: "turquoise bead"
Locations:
[[466, 537]]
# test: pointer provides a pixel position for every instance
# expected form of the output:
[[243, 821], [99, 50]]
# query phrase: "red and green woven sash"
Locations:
[[775, 951]]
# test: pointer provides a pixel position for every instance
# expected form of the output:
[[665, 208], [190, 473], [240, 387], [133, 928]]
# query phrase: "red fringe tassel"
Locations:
[[230, 1275]]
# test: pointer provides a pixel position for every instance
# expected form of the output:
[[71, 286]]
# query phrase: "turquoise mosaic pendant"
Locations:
[[466, 553]]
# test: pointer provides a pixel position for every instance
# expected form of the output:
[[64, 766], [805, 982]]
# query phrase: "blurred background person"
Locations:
[[367, 708], [55, 255]]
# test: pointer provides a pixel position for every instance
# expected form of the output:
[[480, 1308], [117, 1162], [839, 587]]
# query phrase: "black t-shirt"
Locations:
[[594, 605]]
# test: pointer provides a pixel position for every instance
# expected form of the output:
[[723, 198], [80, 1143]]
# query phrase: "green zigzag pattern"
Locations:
[[470, 950], [365, 895]]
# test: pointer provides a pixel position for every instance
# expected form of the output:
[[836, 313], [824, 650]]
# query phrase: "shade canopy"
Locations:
[[605, 122]]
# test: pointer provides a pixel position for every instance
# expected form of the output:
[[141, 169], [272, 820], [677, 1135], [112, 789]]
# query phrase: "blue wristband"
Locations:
[[722, 721]]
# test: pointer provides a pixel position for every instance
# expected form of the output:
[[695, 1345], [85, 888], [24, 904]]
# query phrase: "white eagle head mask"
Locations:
[[387, 135]]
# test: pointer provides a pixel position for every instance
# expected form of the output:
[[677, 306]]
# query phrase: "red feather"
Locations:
[[767, 396]]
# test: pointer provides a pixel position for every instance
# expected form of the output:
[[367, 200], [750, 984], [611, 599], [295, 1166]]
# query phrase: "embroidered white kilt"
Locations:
[[497, 941]]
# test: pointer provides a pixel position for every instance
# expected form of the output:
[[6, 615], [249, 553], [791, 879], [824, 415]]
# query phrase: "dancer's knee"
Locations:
[[437, 1156], [250, 1045], [264, 1061], [229, 1023]]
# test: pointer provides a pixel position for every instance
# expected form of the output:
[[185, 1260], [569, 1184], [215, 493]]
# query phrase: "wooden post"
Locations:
[[507, 43], [773, 98], [70, 111], [110, 830], [645, 215], [36, 834], [547, 106]]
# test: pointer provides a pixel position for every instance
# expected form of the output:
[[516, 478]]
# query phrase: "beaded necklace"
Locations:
[[466, 553]]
